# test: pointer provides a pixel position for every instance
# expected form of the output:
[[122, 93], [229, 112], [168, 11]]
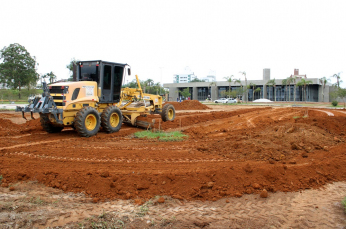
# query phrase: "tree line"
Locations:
[[148, 86], [18, 69]]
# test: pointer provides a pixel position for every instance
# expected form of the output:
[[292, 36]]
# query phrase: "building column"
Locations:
[[194, 93], [326, 94], [214, 93], [173, 94], [264, 91]]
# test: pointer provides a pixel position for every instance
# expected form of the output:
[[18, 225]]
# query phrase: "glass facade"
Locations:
[[202, 93], [283, 93]]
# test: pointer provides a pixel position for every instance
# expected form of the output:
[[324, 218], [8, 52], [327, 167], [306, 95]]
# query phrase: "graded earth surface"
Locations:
[[238, 166]]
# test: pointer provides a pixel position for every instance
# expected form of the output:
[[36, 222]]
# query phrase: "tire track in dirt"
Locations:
[[117, 160], [275, 115], [327, 112], [18, 136], [30, 144], [310, 208], [344, 112], [317, 208]]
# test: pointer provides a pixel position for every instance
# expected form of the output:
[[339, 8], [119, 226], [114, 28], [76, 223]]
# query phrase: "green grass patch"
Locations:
[[343, 202], [161, 136], [295, 117], [336, 106]]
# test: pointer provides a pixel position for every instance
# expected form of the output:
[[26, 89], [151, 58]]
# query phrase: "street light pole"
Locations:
[[161, 79]]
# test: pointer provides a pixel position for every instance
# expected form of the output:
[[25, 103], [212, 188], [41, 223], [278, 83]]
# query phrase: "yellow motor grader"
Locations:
[[95, 98]]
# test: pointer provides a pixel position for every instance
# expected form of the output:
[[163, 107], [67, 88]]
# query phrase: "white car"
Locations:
[[232, 101], [222, 100]]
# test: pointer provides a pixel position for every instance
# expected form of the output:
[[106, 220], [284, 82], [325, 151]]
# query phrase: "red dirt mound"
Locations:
[[8, 128], [226, 154], [189, 105]]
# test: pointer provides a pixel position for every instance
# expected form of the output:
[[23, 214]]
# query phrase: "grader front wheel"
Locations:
[[168, 113], [87, 122], [111, 119]]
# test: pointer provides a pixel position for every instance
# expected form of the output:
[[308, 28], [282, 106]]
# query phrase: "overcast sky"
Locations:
[[160, 38]]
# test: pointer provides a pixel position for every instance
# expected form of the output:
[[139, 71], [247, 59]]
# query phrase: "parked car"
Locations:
[[232, 101], [32, 97], [222, 100]]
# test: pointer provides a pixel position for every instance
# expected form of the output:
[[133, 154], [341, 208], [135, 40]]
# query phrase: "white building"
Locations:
[[210, 77], [185, 77]]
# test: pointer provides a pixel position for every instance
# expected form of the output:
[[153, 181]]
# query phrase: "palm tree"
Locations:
[[338, 81], [289, 81], [253, 90], [303, 83], [258, 90], [244, 74], [271, 83], [239, 81], [323, 81], [51, 77], [229, 79], [294, 79], [284, 82], [274, 85], [148, 82]]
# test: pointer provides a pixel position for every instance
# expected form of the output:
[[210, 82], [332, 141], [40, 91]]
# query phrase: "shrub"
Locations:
[[335, 103]]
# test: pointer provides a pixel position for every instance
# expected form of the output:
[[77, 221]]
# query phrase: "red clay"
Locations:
[[227, 153], [189, 105]]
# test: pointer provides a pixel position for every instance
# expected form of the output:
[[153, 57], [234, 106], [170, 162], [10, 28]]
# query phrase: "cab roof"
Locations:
[[101, 61]]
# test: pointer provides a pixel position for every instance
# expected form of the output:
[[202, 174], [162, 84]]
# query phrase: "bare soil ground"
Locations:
[[213, 179]]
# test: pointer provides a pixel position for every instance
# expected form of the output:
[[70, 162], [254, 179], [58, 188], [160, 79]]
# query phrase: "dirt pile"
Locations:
[[188, 105], [227, 154], [8, 128]]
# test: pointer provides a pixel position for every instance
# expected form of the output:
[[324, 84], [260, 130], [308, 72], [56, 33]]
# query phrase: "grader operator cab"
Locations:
[[95, 98]]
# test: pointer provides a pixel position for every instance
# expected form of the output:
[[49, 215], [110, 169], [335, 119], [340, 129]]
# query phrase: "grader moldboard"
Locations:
[[95, 98]]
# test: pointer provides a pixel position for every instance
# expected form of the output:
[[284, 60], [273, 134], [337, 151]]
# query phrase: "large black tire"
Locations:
[[111, 119], [87, 122], [168, 113], [48, 126]]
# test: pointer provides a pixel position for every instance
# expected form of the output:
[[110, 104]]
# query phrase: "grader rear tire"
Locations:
[[48, 126], [168, 113], [87, 122], [111, 119]]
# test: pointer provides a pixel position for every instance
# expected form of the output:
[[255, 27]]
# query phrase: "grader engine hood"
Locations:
[[60, 96], [68, 93]]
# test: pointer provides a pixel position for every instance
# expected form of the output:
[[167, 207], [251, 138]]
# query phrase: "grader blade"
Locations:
[[146, 125]]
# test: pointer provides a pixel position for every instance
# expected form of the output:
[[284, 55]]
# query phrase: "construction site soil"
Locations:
[[228, 151]]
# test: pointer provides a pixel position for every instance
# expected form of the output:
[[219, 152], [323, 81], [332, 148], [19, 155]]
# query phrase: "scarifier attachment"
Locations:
[[45, 105]]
